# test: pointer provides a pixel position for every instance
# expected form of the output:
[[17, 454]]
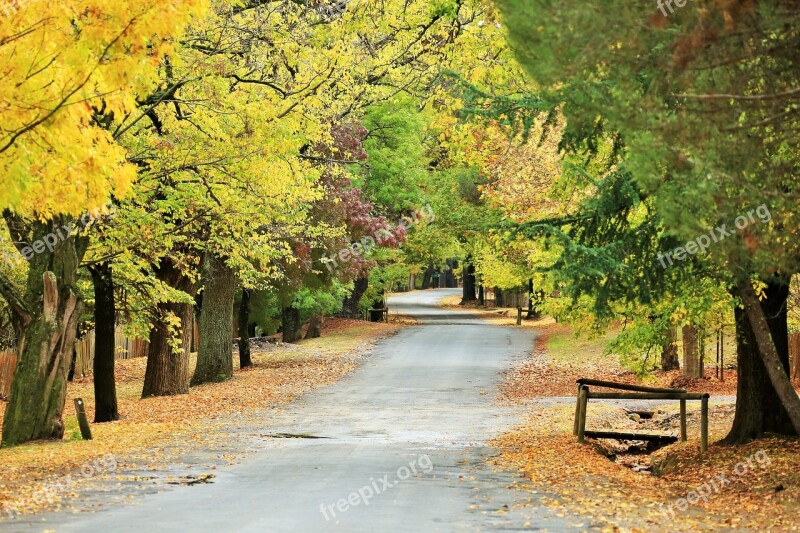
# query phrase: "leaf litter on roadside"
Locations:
[[156, 433]]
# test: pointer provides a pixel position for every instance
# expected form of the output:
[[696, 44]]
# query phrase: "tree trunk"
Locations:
[[758, 407], [669, 352], [350, 304], [481, 295], [510, 298], [776, 363], [215, 353], [427, 278], [73, 362], [468, 293], [701, 360], [105, 318], [531, 312], [244, 330], [498, 297], [315, 326], [450, 281], [691, 358], [167, 371], [45, 323], [290, 324]]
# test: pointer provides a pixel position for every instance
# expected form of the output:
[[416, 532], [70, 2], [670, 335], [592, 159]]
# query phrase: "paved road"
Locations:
[[404, 441]]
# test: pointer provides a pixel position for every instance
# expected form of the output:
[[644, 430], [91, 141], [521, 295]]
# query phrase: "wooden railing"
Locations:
[[636, 392]]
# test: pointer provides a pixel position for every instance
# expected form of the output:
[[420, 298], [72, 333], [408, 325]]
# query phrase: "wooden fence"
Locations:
[[126, 348], [8, 361]]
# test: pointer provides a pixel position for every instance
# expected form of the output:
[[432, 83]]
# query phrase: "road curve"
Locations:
[[401, 446]]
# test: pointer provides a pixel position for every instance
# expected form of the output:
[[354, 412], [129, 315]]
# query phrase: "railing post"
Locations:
[[83, 421], [683, 420], [704, 423], [583, 400], [519, 316], [577, 410]]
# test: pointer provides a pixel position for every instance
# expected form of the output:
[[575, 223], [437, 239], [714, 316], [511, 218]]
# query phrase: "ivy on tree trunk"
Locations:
[[167, 370]]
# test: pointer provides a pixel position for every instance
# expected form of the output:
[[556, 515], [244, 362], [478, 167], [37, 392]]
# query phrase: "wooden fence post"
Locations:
[[583, 401], [721, 355], [83, 422], [519, 316], [683, 420], [704, 423], [577, 411], [794, 354]]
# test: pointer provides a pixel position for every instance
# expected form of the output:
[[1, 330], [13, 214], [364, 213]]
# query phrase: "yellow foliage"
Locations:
[[59, 61]]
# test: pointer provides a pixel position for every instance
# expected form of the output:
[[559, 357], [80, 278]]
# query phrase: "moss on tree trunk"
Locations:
[[215, 353], [691, 354], [45, 321]]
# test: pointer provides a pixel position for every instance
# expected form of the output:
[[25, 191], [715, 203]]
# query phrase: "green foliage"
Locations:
[[328, 301], [697, 115], [396, 171], [265, 311]]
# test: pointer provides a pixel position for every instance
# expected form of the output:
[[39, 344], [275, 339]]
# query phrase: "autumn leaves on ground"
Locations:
[[156, 430], [618, 486]]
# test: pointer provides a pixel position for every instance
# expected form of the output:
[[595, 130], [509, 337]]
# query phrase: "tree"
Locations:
[[680, 97], [692, 365], [51, 62], [214, 355], [669, 353], [257, 114]]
